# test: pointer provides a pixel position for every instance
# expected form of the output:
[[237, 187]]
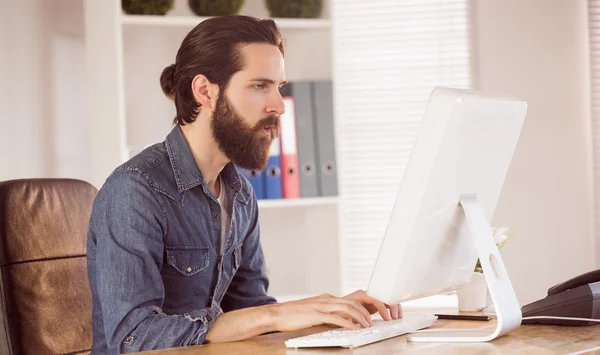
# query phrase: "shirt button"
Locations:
[[128, 340], [216, 217], [189, 269]]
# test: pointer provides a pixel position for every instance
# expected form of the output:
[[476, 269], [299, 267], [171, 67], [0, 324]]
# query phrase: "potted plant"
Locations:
[[147, 7], [294, 8], [474, 296], [215, 7]]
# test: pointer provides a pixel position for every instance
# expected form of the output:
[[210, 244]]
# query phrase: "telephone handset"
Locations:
[[578, 297], [583, 279]]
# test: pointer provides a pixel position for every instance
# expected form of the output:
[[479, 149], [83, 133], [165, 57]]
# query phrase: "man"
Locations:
[[174, 255]]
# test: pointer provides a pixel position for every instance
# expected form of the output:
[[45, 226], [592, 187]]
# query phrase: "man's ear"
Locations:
[[204, 91]]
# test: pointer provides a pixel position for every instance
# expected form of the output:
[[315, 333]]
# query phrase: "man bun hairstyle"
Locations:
[[167, 81], [212, 49]]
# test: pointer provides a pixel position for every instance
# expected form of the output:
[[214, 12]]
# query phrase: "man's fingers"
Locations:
[[382, 310], [346, 317], [353, 303], [343, 308], [380, 306], [371, 305], [394, 311], [359, 307], [329, 318]]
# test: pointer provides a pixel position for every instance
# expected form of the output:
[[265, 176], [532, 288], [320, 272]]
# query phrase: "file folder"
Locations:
[[256, 179], [272, 174], [289, 151], [301, 92], [325, 134]]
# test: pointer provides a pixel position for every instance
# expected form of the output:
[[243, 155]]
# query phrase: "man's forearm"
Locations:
[[243, 323]]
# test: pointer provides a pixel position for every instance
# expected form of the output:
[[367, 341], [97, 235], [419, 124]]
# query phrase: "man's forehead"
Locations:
[[263, 60]]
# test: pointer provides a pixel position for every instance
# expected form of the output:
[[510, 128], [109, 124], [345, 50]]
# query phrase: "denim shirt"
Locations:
[[157, 273]]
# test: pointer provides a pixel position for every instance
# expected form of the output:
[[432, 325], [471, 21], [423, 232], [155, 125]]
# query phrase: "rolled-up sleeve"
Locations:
[[126, 233], [250, 283]]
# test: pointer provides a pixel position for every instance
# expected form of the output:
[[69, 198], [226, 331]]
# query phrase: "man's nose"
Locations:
[[276, 104]]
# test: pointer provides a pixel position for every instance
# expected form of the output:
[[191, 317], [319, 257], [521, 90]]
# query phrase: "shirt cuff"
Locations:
[[207, 317]]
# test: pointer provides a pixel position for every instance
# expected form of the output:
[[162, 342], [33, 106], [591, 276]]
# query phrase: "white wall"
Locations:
[[42, 114], [24, 144], [537, 50]]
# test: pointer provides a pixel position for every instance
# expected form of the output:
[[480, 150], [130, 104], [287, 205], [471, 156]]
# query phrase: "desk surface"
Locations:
[[528, 339]]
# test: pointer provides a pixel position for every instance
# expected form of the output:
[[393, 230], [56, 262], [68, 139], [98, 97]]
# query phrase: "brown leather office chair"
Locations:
[[45, 298]]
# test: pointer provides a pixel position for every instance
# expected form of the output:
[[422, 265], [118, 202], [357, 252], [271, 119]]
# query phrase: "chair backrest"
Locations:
[[45, 297]]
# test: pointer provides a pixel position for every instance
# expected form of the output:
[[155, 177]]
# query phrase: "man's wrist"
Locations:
[[270, 317]]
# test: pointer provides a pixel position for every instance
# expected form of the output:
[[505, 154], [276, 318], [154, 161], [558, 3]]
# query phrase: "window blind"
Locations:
[[387, 57], [594, 38]]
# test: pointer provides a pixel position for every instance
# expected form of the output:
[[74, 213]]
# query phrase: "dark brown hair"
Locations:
[[212, 48]]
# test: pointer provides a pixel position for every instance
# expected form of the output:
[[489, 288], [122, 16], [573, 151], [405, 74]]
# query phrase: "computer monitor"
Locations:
[[440, 223]]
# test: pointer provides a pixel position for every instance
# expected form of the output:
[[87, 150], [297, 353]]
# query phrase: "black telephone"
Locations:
[[578, 297]]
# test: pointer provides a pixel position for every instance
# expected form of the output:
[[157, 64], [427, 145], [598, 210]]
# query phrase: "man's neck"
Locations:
[[209, 158]]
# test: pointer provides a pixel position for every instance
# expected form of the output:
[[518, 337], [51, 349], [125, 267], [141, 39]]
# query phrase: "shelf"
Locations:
[[191, 21], [298, 202]]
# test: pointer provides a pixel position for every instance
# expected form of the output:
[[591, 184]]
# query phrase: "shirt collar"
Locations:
[[186, 171]]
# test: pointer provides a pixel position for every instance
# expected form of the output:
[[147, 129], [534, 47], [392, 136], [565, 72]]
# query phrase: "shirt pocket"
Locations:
[[186, 278], [188, 260]]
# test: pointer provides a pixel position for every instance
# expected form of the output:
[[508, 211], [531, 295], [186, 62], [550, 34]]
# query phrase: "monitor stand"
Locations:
[[508, 310]]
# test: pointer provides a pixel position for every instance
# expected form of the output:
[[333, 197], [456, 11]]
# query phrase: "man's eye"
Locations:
[[259, 86]]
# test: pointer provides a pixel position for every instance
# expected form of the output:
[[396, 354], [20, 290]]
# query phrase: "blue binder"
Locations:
[[273, 186], [257, 180]]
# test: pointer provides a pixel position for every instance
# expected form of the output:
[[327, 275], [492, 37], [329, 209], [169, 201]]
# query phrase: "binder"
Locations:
[[301, 92], [289, 151], [325, 134], [257, 180], [272, 174]]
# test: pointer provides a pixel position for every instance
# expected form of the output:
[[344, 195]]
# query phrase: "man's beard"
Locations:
[[246, 146]]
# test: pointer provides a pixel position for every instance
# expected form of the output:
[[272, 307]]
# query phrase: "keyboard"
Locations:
[[347, 338]]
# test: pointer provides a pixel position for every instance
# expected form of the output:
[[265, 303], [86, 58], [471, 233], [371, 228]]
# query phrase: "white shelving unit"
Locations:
[[298, 202], [125, 56], [191, 21]]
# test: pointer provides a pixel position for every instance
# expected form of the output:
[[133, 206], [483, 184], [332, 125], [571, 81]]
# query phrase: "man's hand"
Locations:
[[351, 312], [324, 309], [372, 305]]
